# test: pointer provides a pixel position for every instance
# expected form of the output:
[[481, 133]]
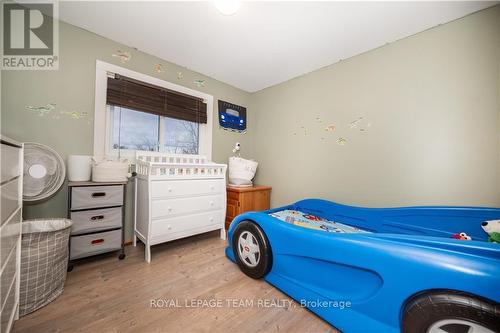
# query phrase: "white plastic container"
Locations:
[[110, 171], [79, 168], [241, 171]]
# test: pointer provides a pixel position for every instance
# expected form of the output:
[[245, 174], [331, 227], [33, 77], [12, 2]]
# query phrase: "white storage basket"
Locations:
[[110, 171], [241, 171]]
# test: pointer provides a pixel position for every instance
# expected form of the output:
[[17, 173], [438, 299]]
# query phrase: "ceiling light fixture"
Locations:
[[227, 7]]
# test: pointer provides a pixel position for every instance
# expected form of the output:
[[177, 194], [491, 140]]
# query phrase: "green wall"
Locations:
[[71, 88], [433, 103]]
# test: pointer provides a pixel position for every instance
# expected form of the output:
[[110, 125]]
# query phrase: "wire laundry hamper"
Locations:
[[44, 260]]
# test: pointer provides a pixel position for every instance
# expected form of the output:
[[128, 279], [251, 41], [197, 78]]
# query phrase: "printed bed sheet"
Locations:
[[310, 221]]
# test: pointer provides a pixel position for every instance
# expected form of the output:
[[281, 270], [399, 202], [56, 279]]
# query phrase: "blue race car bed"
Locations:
[[377, 269]]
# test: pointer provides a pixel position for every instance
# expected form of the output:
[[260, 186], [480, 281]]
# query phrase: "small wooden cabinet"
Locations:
[[244, 199]]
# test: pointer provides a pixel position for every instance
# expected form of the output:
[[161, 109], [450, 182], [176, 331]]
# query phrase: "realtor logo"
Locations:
[[30, 36]]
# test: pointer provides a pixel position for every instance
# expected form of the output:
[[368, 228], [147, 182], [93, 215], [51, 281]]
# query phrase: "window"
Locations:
[[156, 115], [181, 136], [136, 130]]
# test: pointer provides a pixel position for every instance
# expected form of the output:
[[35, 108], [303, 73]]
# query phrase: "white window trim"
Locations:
[[102, 119]]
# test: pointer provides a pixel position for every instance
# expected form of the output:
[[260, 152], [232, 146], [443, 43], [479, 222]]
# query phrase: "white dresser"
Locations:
[[10, 229], [177, 196]]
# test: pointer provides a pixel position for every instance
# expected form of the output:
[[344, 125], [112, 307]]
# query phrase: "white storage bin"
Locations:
[[79, 168]]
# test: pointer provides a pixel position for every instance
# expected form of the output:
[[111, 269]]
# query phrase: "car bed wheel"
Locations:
[[251, 249], [451, 312]]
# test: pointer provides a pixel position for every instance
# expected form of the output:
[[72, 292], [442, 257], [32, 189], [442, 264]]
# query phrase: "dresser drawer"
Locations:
[[176, 225], [96, 219], [96, 196], [101, 242], [184, 188], [9, 162], [174, 207], [9, 199], [8, 308], [9, 235], [8, 274]]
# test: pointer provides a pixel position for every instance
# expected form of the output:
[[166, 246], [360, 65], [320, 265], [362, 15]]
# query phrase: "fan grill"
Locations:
[[44, 172]]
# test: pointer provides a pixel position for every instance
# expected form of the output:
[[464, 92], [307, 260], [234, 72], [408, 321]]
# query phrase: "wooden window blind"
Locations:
[[129, 93]]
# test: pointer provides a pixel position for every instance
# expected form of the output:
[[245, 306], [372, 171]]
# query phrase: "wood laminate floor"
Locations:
[[107, 295]]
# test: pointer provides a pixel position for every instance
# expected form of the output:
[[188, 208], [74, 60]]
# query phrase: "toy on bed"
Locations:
[[492, 228], [311, 221], [461, 236]]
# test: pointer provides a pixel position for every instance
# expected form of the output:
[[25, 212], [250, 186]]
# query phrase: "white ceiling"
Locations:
[[264, 43]]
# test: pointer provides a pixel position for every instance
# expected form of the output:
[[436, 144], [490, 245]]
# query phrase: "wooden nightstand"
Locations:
[[244, 199]]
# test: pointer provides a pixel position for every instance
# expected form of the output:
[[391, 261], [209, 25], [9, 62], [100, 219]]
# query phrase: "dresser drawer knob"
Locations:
[[211, 219], [212, 187], [98, 194], [169, 190], [97, 217], [169, 209], [211, 203]]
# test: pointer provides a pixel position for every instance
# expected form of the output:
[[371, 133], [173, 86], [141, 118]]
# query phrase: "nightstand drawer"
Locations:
[[101, 242], [96, 196], [95, 220], [233, 195]]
